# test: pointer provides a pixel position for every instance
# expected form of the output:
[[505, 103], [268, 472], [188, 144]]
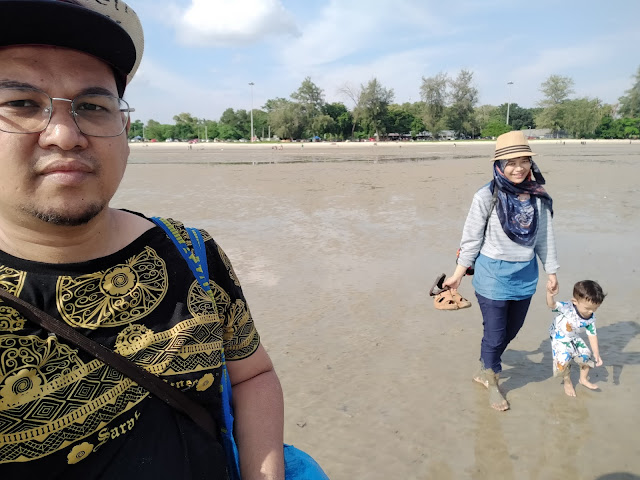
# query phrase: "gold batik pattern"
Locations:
[[240, 336], [117, 296], [12, 281], [191, 346], [50, 399], [227, 263]]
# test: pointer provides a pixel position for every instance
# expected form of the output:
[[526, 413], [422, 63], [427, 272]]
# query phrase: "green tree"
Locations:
[[260, 123], [464, 97], [136, 129], [373, 105], [630, 103], [309, 95], [417, 126], [631, 127], [606, 129], [158, 131], [207, 129], [582, 116], [556, 90], [398, 119], [519, 118], [321, 125], [495, 128], [186, 126], [354, 95], [234, 124], [285, 118], [483, 115], [342, 120], [434, 95], [310, 99]]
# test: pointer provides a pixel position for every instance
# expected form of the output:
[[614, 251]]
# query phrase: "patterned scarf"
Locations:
[[517, 222]]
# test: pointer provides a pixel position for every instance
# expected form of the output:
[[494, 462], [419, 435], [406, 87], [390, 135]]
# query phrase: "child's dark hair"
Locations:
[[590, 291]]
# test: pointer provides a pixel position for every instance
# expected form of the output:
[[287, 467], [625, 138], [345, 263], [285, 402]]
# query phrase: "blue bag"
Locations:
[[298, 465]]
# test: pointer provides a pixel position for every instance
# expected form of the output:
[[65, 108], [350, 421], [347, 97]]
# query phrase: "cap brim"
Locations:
[[38, 22]]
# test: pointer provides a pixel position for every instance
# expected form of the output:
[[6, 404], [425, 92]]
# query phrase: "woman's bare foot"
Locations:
[[489, 380], [568, 388], [496, 400], [588, 384], [481, 380]]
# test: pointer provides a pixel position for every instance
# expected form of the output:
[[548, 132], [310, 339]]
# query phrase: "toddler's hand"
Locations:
[[553, 288]]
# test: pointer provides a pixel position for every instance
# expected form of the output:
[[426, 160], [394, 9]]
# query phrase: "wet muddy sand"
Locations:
[[336, 247]]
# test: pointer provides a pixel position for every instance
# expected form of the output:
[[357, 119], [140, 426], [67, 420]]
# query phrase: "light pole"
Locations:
[[251, 84], [509, 101]]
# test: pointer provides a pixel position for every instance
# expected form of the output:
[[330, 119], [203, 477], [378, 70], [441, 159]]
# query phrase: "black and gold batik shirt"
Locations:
[[64, 414]]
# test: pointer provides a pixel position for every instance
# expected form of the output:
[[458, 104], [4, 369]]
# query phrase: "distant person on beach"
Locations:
[[573, 318], [508, 225], [110, 275]]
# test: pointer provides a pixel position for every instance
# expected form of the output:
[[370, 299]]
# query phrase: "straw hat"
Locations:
[[109, 30], [512, 145]]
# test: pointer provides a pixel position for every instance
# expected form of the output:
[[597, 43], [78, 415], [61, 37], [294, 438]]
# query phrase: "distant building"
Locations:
[[544, 133]]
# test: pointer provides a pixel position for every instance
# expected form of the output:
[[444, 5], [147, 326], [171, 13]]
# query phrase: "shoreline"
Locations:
[[363, 152], [381, 144]]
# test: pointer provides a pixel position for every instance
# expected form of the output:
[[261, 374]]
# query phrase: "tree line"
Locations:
[[446, 104]]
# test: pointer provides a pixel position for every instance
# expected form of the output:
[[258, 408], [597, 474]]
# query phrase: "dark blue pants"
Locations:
[[502, 320]]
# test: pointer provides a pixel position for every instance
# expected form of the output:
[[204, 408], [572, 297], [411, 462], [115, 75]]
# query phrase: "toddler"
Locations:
[[573, 318]]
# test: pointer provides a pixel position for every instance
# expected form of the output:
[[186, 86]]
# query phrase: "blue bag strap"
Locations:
[[197, 261], [298, 464]]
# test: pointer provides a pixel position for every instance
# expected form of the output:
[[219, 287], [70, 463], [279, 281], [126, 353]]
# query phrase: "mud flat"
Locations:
[[336, 247]]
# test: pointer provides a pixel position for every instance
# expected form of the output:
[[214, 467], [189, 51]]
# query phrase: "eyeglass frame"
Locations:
[[73, 113]]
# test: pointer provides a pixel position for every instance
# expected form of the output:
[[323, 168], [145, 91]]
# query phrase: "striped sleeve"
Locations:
[[474, 227], [545, 246]]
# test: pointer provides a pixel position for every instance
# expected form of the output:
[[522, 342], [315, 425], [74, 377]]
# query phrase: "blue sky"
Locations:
[[200, 55]]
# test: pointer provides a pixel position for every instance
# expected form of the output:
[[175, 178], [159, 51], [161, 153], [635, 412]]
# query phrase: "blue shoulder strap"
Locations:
[[298, 464], [197, 261]]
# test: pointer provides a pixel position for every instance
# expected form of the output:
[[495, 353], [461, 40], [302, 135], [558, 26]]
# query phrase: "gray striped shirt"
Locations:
[[494, 243]]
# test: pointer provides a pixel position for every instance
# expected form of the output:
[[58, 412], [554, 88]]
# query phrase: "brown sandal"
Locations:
[[437, 287], [445, 301], [461, 301]]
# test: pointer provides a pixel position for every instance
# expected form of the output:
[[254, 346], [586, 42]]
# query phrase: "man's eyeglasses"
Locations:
[[26, 110]]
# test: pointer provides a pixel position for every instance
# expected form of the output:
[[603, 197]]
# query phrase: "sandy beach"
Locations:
[[336, 247]]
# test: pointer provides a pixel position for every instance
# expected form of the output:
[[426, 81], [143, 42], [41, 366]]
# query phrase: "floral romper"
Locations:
[[566, 342]]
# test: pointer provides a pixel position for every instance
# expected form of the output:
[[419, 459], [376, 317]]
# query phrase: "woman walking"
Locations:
[[509, 223]]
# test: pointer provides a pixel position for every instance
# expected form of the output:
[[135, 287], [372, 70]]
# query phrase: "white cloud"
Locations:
[[400, 71], [232, 23], [342, 29]]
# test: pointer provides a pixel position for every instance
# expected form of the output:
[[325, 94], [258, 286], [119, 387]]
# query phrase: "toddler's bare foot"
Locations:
[[588, 384], [568, 388]]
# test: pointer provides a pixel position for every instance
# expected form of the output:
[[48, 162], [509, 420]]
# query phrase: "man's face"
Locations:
[[59, 175]]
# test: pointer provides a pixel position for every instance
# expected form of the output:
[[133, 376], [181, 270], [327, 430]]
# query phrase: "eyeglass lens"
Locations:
[[29, 111]]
